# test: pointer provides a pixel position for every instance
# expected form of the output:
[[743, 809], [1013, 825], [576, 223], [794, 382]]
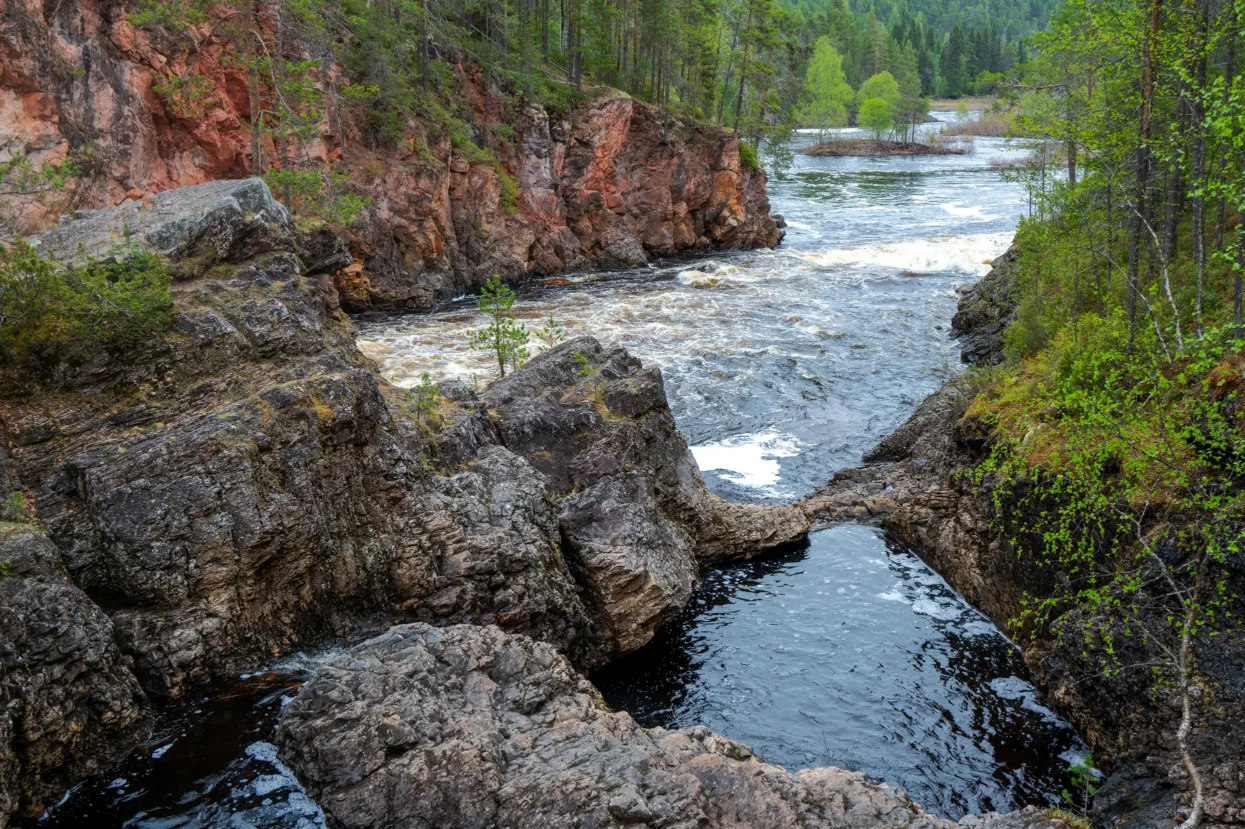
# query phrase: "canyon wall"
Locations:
[[607, 184], [918, 484], [246, 485]]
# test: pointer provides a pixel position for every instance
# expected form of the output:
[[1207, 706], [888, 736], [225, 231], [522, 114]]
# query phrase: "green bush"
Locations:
[[51, 313], [748, 156]]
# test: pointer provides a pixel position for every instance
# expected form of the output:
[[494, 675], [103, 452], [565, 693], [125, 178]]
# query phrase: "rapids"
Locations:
[[782, 366]]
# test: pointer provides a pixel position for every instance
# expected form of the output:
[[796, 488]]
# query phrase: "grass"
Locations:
[[952, 104], [988, 126]]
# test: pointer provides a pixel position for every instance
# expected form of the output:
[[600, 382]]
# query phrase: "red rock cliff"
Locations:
[[602, 185]]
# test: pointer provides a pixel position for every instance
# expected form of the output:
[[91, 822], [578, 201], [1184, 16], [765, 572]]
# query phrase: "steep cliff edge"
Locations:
[[246, 485], [602, 184], [919, 485]]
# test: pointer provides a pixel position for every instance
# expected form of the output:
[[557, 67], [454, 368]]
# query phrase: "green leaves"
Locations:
[[51, 313], [503, 336]]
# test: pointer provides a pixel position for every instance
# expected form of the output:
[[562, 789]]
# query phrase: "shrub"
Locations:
[[748, 156], [503, 336], [51, 313]]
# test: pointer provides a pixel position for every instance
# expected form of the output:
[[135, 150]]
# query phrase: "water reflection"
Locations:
[[853, 654]]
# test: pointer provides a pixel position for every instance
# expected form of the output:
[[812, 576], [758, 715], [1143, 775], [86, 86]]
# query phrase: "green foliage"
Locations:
[[1085, 785], [509, 196], [188, 97], [14, 508], [827, 87], [317, 193], [503, 336], [748, 156], [585, 366], [425, 396], [551, 332], [51, 313], [881, 86], [20, 177], [876, 116]]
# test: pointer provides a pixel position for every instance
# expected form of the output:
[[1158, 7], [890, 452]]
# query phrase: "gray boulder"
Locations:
[[637, 519], [465, 726], [221, 221]]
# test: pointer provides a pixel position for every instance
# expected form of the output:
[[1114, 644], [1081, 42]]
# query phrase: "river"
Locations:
[[782, 367]]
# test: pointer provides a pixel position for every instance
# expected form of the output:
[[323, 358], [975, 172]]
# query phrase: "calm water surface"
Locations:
[[782, 366]]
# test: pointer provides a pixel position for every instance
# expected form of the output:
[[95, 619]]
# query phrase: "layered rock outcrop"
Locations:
[[70, 702], [917, 485], [470, 727], [604, 184], [246, 485], [635, 514]]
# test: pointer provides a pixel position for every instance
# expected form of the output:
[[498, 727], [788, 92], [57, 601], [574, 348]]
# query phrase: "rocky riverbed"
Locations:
[[246, 486]]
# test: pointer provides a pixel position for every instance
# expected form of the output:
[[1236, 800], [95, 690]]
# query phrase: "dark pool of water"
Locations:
[[211, 765], [850, 652]]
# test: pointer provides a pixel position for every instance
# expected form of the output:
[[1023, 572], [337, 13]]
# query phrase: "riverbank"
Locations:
[[934, 486], [870, 148]]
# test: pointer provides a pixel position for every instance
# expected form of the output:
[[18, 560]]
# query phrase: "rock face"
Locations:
[[634, 510], [470, 727], [597, 186], [245, 485], [913, 485], [69, 698], [987, 308]]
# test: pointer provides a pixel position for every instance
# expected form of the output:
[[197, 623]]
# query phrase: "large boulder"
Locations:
[[425, 728], [221, 221], [636, 516]]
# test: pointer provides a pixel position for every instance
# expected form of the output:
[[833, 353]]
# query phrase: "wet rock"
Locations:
[[470, 727], [636, 515], [986, 309], [69, 704]]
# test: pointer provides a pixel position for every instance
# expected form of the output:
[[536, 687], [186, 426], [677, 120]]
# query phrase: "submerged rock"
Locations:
[[470, 727]]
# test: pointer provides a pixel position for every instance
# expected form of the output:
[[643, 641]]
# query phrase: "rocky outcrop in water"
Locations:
[[987, 308], [470, 727], [600, 185], [915, 484], [635, 514], [246, 485]]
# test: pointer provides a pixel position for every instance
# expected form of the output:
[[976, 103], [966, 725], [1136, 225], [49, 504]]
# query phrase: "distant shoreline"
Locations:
[[952, 104], [871, 148]]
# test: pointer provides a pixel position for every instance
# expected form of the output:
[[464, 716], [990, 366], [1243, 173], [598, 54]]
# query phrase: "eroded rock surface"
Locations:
[[68, 701], [598, 185], [246, 485], [467, 726], [635, 513]]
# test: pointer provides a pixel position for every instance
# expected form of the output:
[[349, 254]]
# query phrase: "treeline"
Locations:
[[739, 63], [1142, 104], [1117, 429], [948, 53]]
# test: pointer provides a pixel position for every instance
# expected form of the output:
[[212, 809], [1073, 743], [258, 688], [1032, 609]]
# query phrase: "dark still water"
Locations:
[[853, 654], [211, 765]]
